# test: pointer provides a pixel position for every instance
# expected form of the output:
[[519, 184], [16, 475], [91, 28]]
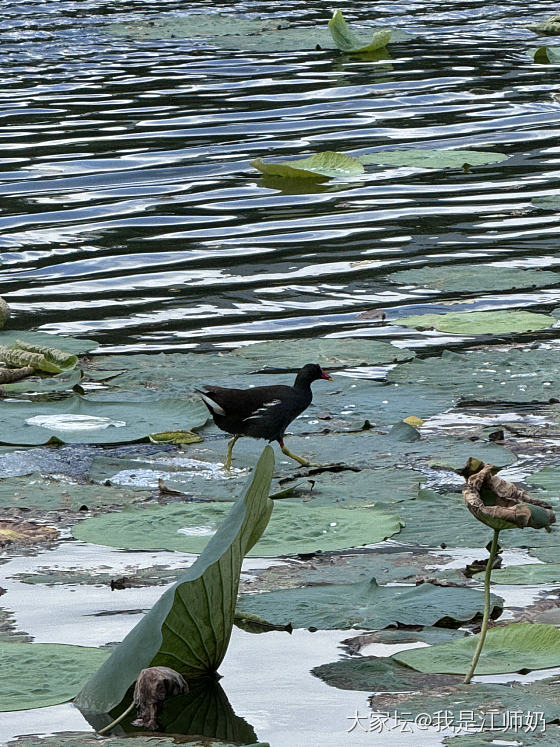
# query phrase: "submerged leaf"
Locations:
[[189, 627], [509, 648], [479, 322], [346, 40], [320, 166]]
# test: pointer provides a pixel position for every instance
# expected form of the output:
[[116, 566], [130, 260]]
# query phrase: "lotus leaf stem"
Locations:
[[484, 627], [117, 720]]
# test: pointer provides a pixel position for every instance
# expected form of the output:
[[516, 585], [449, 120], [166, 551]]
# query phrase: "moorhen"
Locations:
[[263, 411]]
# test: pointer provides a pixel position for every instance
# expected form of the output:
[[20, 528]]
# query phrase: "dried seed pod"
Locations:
[[153, 686]]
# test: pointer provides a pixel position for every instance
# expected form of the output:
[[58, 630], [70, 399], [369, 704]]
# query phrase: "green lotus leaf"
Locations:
[[4, 313], [76, 419], [320, 166], [187, 527], [479, 322], [346, 40], [490, 705], [549, 202], [550, 27], [62, 382], [37, 492], [381, 674], [189, 627], [43, 674], [328, 352], [509, 648], [367, 605], [474, 278], [431, 159], [530, 574], [547, 479], [516, 375], [547, 55], [71, 345]]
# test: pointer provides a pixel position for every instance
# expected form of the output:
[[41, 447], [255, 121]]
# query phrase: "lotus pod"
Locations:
[[500, 504]]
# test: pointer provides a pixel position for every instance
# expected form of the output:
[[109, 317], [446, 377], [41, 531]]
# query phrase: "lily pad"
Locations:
[[36, 491], [43, 674], [189, 627], [530, 574], [77, 420], [480, 322], [531, 731], [187, 527], [334, 353], [62, 382], [381, 674], [320, 166], [550, 202], [432, 159], [509, 648], [474, 278], [347, 40], [367, 605], [516, 375], [547, 55], [84, 739]]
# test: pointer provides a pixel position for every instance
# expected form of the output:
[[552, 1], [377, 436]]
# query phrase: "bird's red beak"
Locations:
[[325, 375]]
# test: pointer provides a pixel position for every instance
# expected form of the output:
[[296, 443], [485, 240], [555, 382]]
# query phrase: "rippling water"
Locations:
[[129, 212]]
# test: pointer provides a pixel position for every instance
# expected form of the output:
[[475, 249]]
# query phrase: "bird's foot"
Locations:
[[303, 462]]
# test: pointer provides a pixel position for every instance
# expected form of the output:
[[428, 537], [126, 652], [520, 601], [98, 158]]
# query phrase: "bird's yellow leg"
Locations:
[[287, 452], [230, 446]]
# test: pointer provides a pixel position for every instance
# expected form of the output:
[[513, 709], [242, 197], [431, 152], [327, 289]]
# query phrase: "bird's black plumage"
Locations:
[[263, 411]]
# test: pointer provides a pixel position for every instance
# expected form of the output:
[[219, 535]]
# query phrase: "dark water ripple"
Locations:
[[129, 211]]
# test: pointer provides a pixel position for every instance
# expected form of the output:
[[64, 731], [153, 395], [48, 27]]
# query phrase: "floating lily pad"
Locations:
[[77, 420], [367, 605], [320, 166], [530, 574], [36, 491], [84, 739], [43, 674], [379, 674], [429, 634], [516, 375], [348, 41], [61, 382], [328, 352], [480, 322], [548, 480], [532, 736], [547, 55], [474, 278], [509, 648], [490, 705], [432, 159], [187, 527]]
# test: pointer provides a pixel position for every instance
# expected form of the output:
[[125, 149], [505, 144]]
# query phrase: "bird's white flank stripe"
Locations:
[[260, 411], [214, 406]]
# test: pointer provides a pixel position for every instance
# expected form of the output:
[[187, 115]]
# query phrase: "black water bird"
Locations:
[[263, 411]]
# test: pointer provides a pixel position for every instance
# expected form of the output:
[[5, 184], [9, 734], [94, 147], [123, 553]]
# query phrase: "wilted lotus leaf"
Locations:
[[4, 312], [25, 533], [367, 605], [500, 504], [175, 437], [508, 648], [453, 278], [549, 27], [72, 345], [18, 357], [479, 322], [153, 686]]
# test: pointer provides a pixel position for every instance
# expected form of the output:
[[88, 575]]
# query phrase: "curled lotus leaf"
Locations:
[[320, 166], [346, 40], [501, 504], [22, 358], [547, 55], [73, 345]]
